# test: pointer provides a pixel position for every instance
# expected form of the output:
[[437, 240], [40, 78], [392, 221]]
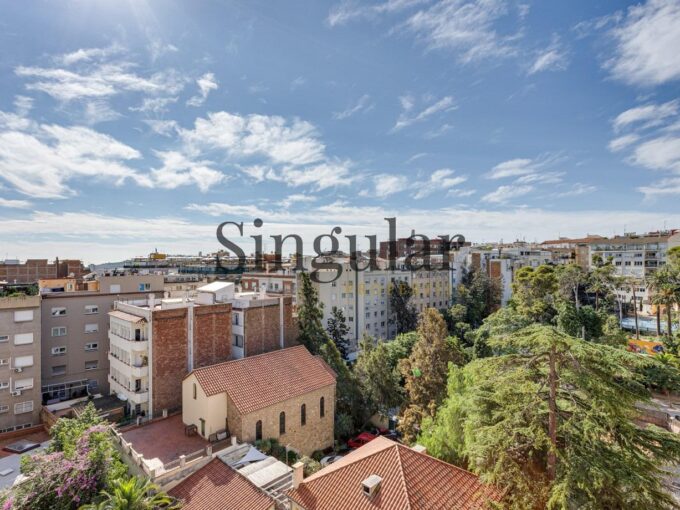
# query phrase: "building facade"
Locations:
[[32, 270], [20, 399], [75, 340]]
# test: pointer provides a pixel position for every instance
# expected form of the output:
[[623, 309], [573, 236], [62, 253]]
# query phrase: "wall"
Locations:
[[168, 358], [212, 334], [212, 409], [261, 329]]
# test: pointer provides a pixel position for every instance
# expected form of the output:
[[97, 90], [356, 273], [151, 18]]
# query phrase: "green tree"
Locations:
[[310, 315], [338, 330], [571, 278], [602, 282], [132, 494], [378, 380], [503, 322], [480, 295], [425, 372], [534, 293], [404, 314], [400, 348], [664, 285], [582, 322], [66, 431], [551, 423], [673, 256]]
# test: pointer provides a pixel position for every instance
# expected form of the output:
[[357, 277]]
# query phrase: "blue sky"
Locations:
[[129, 126]]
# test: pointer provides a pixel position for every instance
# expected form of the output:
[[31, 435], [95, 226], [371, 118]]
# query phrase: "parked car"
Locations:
[[361, 440], [389, 434], [328, 460]]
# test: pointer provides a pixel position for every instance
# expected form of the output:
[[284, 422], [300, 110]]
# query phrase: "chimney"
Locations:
[[298, 474], [371, 485], [152, 301], [419, 448]]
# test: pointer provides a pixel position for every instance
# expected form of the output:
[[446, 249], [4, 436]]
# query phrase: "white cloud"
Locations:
[[162, 127], [647, 43], [621, 142], [297, 198], [205, 83], [15, 204], [670, 186], [661, 153], [468, 28], [88, 54], [505, 193], [439, 180], [444, 104], [347, 11], [98, 111], [541, 178], [178, 170], [23, 105], [577, 189], [154, 104], [298, 82], [650, 114], [512, 168], [552, 58], [363, 104], [386, 185]]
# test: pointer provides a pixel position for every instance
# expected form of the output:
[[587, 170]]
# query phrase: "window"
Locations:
[[4, 361], [4, 338], [303, 415], [23, 361], [282, 423], [23, 407], [93, 346], [258, 430], [194, 391], [58, 311], [23, 315], [91, 365], [4, 409], [4, 385], [91, 328], [59, 351], [322, 407], [23, 384], [144, 286], [113, 289], [91, 309], [235, 319], [59, 331], [59, 370], [238, 340], [23, 339]]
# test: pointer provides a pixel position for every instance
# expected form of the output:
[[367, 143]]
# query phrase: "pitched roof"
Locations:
[[410, 481], [266, 379], [216, 486]]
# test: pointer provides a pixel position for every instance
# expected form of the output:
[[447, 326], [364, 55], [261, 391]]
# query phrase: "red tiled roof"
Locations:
[[410, 481], [218, 487], [259, 381]]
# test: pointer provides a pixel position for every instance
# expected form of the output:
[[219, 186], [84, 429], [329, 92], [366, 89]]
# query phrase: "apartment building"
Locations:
[[279, 283], [32, 270], [179, 284], [20, 398], [635, 257], [75, 328]]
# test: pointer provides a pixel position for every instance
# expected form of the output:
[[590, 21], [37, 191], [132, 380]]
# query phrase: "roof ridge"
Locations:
[[403, 476], [447, 464], [200, 369]]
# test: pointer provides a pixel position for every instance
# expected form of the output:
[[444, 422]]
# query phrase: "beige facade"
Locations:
[[75, 341], [20, 400], [216, 413]]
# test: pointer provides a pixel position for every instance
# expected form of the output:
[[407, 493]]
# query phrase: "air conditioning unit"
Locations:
[[16, 393], [18, 370]]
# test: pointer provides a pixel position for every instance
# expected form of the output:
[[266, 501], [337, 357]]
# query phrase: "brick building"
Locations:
[[274, 283], [287, 395], [32, 270]]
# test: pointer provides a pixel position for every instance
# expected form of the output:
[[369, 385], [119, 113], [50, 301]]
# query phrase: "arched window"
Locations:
[[258, 430], [303, 414], [322, 407], [282, 423]]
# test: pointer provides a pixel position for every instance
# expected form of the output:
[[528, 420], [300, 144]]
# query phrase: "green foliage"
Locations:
[[503, 322], [477, 297], [533, 293], [66, 431], [664, 285], [673, 257], [404, 314], [661, 373], [310, 314], [344, 426], [583, 322], [311, 465], [497, 419], [132, 494], [571, 279], [338, 330], [379, 381], [400, 348]]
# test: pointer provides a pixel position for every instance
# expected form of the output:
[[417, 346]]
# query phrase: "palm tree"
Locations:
[[133, 494], [664, 286]]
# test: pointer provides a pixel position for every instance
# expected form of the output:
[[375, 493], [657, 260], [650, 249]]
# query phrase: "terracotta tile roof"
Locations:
[[259, 381], [218, 487], [410, 481]]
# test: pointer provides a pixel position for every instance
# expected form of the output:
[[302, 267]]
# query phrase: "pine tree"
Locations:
[[551, 423], [338, 330], [425, 372], [379, 382], [533, 293], [310, 314], [403, 313]]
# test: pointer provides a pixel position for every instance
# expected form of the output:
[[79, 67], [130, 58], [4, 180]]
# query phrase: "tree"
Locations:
[[132, 494], [404, 314], [480, 295], [378, 380], [664, 285], [533, 293], [551, 423], [601, 282], [582, 322], [425, 372], [400, 348], [570, 279], [338, 330], [310, 314]]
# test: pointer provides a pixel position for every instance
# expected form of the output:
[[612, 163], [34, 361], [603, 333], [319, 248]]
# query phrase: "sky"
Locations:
[[129, 126]]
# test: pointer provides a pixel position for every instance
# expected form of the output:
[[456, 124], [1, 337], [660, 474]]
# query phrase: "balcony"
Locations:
[[127, 368], [135, 397], [127, 344]]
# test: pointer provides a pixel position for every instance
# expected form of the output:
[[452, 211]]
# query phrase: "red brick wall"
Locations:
[[169, 358], [261, 329], [495, 268], [212, 334], [290, 325]]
